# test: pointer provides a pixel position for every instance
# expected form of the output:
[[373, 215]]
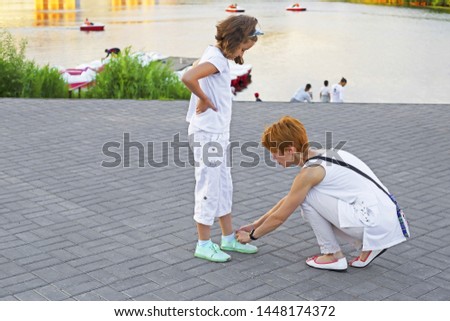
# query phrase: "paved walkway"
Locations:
[[71, 229]]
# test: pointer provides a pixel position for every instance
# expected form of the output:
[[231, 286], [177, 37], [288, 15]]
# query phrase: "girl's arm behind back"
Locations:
[[191, 80]]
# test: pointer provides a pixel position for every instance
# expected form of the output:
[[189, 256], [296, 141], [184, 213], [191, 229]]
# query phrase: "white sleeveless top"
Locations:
[[218, 89], [360, 202]]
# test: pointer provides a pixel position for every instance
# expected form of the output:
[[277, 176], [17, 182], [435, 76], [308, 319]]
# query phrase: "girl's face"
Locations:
[[243, 47]]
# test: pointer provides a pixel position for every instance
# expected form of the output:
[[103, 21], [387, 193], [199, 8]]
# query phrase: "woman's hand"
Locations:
[[246, 228], [203, 105], [243, 237]]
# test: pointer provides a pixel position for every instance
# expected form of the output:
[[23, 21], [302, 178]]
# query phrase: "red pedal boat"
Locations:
[[295, 7], [92, 27], [234, 8]]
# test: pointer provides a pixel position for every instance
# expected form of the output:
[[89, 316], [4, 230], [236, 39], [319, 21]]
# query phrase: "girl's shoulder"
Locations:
[[214, 55], [213, 51]]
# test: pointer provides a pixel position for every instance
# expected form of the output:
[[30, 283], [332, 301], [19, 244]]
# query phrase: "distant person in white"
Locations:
[[337, 91], [302, 95], [325, 93]]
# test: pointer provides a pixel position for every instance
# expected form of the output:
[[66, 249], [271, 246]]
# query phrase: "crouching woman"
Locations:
[[339, 196]]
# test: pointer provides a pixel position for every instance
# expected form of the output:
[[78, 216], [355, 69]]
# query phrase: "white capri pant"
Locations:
[[213, 183], [321, 211]]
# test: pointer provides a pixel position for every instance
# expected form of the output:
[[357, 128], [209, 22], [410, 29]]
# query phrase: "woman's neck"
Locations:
[[311, 153]]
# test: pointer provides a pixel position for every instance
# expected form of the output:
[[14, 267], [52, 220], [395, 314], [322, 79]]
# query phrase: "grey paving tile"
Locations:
[[110, 294], [148, 297], [281, 296], [319, 293], [400, 297], [88, 296], [419, 289], [30, 296], [57, 272], [378, 294], [52, 293], [168, 295], [8, 298], [143, 289], [27, 285], [438, 294], [185, 285], [342, 296], [256, 293], [129, 283], [221, 295], [361, 288], [199, 291]]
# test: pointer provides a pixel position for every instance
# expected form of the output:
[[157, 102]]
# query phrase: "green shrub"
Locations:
[[44, 82], [125, 78], [12, 62], [438, 3], [22, 77]]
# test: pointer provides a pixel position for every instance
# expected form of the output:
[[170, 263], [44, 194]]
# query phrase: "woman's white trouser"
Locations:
[[321, 211]]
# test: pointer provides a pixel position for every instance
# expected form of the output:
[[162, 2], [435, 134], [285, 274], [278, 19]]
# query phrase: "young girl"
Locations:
[[209, 116]]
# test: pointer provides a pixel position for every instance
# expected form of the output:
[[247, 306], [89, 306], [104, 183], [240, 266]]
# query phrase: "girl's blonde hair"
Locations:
[[233, 31], [286, 132]]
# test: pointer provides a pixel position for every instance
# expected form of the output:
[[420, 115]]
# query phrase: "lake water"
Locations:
[[388, 54]]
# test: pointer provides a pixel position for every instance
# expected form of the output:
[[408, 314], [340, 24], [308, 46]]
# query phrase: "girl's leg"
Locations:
[[206, 201], [205, 248], [204, 232], [226, 224], [225, 188], [207, 179], [229, 242]]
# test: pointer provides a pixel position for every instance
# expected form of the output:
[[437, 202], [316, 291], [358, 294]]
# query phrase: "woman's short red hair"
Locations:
[[286, 132]]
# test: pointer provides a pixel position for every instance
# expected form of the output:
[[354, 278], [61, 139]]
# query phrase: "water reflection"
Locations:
[[54, 5], [55, 12], [53, 18], [117, 5]]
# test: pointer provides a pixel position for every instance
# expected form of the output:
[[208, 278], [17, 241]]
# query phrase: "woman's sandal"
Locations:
[[358, 263]]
